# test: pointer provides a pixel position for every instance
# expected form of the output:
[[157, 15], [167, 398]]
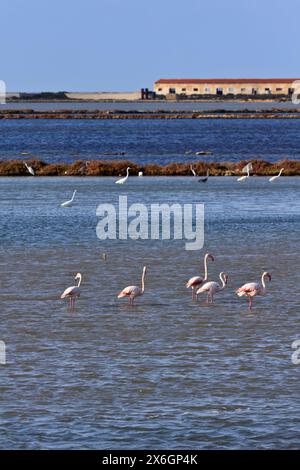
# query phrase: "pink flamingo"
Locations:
[[212, 287], [73, 291], [134, 291], [196, 281], [251, 289]]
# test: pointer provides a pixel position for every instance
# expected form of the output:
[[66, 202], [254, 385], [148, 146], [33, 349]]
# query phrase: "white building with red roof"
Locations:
[[224, 86]]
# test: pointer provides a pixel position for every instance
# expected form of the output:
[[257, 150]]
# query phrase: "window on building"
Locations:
[[278, 89], [183, 89], [160, 89], [231, 90], [207, 90], [268, 91], [243, 90], [219, 91], [172, 91], [195, 89]]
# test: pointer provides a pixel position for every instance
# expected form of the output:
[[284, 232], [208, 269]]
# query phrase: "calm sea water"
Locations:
[[150, 141], [168, 373]]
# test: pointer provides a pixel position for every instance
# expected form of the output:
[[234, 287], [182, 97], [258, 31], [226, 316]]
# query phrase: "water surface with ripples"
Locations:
[[144, 141], [169, 372]]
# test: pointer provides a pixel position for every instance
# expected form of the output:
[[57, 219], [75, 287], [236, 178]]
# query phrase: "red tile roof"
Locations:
[[224, 80]]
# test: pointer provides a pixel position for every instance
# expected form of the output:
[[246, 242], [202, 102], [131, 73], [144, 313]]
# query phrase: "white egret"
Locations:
[[193, 171], [247, 170], [69, 203], [276, 176], [123, 180], [29, 169]]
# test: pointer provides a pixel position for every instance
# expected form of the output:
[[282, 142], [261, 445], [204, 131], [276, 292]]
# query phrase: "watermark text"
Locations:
[[157, 222]]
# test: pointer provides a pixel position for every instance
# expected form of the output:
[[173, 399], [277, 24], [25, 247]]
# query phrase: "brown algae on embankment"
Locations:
[[273, 113], [118, 167]]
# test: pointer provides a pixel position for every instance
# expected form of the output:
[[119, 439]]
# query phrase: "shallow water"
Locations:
[[150, 141], [169, 372]]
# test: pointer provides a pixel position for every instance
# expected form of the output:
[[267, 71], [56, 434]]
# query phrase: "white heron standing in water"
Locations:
[[247, 170], [29, 169], [123, 180], [69, 203], [192, 170], [276, 176]]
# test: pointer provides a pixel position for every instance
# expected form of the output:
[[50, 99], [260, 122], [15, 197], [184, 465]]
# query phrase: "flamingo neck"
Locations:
[[205, 268], [281, 171], [143, 280], [127, 174], [223, 280], [263, 280], [73, 195], [79, 281]]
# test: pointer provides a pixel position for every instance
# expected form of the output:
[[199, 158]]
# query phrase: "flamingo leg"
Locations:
[[193, 293]]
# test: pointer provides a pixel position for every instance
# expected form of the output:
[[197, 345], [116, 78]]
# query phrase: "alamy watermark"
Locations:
[[157, 222], [295, 358], [2, 92]]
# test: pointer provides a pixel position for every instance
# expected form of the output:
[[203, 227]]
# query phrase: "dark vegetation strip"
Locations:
[[274, 113], [118, 167]]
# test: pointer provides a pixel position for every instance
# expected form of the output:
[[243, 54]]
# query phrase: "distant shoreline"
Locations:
[[118, 167], [135, 97], [109, 100]]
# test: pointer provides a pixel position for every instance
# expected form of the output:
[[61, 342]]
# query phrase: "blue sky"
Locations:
[[123, 45]]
